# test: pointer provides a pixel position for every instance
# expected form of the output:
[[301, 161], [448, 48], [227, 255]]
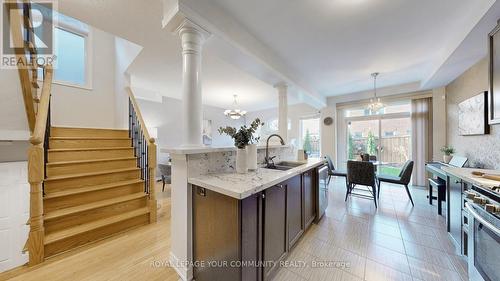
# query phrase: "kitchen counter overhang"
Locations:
[[466, 175], [240, 186]]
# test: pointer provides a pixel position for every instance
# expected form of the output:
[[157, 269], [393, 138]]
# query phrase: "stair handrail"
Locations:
[[139, 115], [145, 153], [42, 115], [29, 84]]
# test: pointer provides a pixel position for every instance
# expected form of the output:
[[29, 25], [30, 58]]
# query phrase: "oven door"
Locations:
[[484, 247]]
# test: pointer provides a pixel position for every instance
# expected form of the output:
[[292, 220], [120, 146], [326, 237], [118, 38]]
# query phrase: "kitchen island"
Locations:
[[244, 225]]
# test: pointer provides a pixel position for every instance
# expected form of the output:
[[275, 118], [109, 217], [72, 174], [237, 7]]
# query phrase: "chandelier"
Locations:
[[235, 113], [375, 104]]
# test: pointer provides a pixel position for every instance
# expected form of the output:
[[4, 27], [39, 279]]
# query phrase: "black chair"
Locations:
[[361, 173], [365, 157], [403, 178], [334, 173], [166, 174], [440, 185]]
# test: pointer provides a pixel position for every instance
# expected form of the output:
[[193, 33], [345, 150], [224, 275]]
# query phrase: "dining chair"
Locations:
[[166, 174], [365, 157], [361, 173], [403, 178], [334, 173]]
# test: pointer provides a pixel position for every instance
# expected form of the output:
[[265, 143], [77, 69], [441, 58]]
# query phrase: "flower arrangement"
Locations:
[[244, 135], [447, 150]]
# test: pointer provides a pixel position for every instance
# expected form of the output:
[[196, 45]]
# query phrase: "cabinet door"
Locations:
[[295, 210], [251, 236], [455, 209], [275, 242], [309, 195], [216, 234]]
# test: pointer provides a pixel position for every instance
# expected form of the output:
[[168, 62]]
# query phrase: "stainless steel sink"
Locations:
[[284, 165], [289, 164], [281, 168]]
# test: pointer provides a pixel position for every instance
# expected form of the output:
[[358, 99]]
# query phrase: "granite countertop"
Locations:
[[241, 186], [466, 175]]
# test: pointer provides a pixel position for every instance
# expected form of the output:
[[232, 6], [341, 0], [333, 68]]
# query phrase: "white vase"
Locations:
[[252, 157], [447, 158], [241, 161]]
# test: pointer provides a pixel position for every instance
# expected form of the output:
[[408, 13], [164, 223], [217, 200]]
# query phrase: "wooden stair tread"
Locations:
[[89, 138], [60, 163], [87, 149], [79, 229], [85, 207], [74, 191], [70, 176]]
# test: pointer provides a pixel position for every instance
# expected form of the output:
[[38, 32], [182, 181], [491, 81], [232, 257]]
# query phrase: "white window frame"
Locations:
[[88, 36], [301, 138]]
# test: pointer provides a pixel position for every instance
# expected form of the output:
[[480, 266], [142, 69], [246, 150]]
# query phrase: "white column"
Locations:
[[192, 38], [282, 110]]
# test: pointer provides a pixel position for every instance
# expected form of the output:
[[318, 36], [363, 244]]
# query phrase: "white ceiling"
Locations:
[[331, 45], [336, 44], [156, 69]]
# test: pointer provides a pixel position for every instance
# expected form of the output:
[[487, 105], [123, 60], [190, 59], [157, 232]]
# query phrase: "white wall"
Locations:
[[79, 107], [125, 53], [14, 213], [13, 121], [328, 133], [166, 116]]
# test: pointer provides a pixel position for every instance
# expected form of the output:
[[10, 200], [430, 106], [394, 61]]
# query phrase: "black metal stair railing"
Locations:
[[140, 144]]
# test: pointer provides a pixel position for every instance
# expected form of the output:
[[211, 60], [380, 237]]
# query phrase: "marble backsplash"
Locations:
[[225, 161]]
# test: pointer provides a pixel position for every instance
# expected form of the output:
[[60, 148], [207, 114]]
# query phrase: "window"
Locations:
[[386, 134], [73, 53], [310, 136], [70, 52]]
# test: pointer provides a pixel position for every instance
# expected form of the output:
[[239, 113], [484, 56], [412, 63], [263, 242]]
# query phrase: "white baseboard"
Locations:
[[184, 272]]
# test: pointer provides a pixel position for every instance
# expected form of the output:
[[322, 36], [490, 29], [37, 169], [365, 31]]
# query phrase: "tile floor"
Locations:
[[394, 242]]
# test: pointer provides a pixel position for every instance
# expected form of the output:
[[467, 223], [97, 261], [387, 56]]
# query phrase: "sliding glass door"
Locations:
[[363, 137], [386, 135], [395, 141]]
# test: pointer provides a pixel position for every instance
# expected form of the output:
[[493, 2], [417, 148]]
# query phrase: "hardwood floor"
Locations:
[[138, 254]]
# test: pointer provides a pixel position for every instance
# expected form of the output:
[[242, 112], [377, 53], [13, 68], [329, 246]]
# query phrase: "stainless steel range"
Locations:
[[483, 209]]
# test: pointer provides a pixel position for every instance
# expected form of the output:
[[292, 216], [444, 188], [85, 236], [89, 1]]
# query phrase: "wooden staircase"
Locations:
[[93, 187], [85, 184]]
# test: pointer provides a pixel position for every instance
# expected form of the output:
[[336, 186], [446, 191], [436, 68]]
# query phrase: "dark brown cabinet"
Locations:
[[455, 208], [216, 234], [260, 228], [309, 195], [295, 210], [275, 226]]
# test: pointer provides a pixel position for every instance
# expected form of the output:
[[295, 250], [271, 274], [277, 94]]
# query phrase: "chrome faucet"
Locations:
[[269, 160]]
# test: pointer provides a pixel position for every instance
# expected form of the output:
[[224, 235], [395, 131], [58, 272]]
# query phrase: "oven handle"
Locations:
[[481, 220]]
